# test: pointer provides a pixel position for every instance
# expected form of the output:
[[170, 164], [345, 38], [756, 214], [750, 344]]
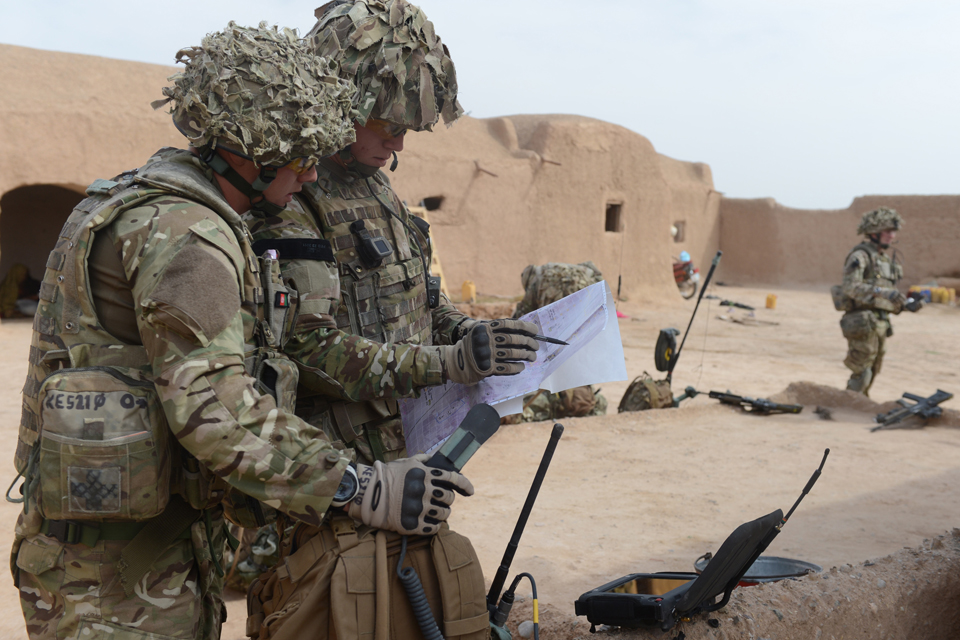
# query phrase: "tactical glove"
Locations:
[[489, 348], [913, 304], [896, 299], [406, 496]]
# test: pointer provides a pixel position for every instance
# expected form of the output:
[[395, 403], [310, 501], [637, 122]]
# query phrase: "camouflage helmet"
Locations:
[[878, 220], [259, 92], [388, 48]]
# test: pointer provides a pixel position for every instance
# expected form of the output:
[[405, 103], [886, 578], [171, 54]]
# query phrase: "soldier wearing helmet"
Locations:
[[157, 401], [373, 325], [869, 295]]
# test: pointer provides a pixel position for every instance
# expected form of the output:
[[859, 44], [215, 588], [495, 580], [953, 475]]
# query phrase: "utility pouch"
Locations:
[[858, 325], [372, 249], [840, 301], [103, 447]]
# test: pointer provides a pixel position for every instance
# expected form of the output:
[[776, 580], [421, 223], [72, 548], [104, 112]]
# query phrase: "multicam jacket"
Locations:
[[360, 329], [195, 302], [544, 284]]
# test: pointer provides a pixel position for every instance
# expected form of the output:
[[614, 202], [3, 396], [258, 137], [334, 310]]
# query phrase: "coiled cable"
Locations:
[[418, 599]]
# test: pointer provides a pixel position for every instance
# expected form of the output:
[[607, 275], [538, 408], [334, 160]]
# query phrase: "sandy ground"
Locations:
[[652, 491]]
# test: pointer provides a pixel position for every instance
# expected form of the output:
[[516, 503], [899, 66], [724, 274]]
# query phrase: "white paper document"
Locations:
[[586, 319]]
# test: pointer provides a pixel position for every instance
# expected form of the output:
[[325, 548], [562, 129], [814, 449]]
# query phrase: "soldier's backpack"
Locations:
[[341, 582], [646, 393]]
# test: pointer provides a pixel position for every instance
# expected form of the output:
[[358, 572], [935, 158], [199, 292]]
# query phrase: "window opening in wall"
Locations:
[[432, 203], [678, 230], [614, 223]]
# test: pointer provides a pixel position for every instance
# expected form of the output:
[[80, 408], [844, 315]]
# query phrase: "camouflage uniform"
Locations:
[[358, 335], [361, 330], [869, 290], [142, 419], [366, 334], [548, 283], [543, 285]]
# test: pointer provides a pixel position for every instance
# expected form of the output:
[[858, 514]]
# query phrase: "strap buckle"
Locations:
[[65, 531]]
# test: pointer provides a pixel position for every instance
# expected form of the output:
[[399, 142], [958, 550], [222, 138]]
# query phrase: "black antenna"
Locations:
[[706, 283], [501, 576], [812, 481]]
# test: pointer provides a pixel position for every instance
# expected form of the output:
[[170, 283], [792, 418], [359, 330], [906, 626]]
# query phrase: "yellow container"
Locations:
[[469, 291], [771, 301]]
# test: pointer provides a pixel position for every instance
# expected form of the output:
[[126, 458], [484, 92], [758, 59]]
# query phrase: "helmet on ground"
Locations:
[[882, 219], [259, 93], [403, 72]]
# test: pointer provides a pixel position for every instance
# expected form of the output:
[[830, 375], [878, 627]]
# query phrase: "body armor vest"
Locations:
[[76, 365], [385, 302], [881, 270]]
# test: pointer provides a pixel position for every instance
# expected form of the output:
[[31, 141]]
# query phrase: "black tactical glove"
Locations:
[[489, 348], [406, 496], [913, 304]]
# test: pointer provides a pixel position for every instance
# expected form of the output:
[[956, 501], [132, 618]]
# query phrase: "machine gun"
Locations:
[[759, 405], [926, 408]]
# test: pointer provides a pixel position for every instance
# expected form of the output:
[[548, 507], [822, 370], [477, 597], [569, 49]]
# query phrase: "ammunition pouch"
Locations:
[[340, 581], [841, 302], [858, 325], [103, 451]]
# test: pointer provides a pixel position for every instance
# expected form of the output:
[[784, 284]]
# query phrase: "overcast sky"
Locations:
[[811, 103]]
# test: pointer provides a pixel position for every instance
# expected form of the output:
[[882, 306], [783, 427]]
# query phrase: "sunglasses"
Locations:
[[301, 165], [385, 130]]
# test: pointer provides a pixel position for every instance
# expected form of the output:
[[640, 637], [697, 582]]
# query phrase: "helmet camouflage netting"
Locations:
[[260, 92], [389, 49], [879, 220]]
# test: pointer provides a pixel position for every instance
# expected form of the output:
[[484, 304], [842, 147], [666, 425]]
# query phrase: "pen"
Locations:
[[550, 340]]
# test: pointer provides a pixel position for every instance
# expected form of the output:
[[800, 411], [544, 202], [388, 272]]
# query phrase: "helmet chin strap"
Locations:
[[875, 238], [350, 162], [258, 202], [396, 161]]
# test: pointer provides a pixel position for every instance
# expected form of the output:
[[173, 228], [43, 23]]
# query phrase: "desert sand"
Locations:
[[652, 491]]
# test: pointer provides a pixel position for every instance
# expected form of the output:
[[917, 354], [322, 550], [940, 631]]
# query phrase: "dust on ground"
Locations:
[[652, 491]]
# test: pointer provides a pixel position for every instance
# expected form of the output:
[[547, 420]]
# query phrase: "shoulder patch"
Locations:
[[197, 295]]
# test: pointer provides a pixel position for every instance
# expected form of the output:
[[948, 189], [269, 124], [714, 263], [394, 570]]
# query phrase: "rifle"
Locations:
[[731, 303], [759, 405], [926, 408]]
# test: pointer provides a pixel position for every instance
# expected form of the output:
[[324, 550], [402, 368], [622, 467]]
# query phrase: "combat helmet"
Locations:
[[388, 49], [882, 219], [260, 94]]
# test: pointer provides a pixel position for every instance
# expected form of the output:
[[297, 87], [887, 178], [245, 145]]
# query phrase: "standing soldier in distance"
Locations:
[[869, 295], [373, 326], [156, 393]]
